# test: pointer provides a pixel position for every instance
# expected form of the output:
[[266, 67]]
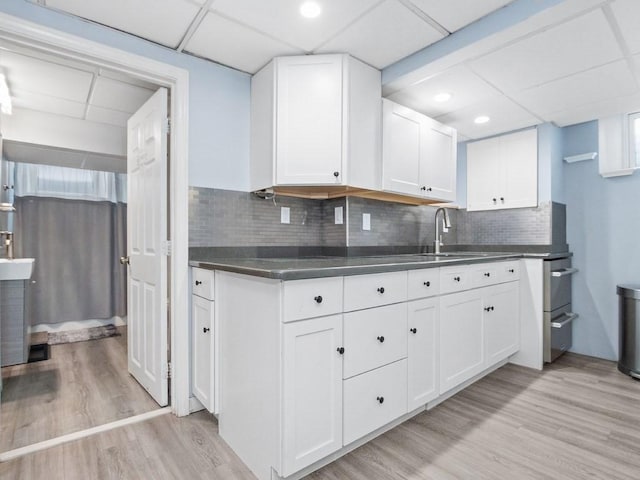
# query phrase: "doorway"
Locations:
[[174, 79]]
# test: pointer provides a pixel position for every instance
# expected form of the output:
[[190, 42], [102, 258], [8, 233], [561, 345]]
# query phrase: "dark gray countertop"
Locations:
[[317, 267]]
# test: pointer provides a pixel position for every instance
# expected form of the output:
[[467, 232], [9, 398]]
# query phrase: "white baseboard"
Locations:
[[78, 325]]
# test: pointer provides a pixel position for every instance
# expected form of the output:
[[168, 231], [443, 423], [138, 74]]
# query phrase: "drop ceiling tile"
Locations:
[[47, 103], [455, 14], [571, 47], [384, 35], [117, 95], [281, 19], [236, 45], [123, 77], [161, 21], [601, 109], [107, 115], [464, 86], [505, 116], [627, 14], [573, 92], [30, 74]]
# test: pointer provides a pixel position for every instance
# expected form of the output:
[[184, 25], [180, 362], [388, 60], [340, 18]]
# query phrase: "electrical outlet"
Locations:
[[285, 215], [338, 213], [366, 221]]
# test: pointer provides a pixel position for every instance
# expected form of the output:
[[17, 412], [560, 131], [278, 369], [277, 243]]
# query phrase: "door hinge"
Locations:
[[166, 248], [168, 371], [167, 124]]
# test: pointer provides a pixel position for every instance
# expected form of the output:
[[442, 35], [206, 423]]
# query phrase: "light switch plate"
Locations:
[[338, 213], [285, 215], [366, 221]]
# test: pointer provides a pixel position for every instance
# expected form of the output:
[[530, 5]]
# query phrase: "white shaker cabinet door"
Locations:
[[485, 176], [438, 161], [309, 120], [422, 355], [462, 354], [520, 164], [502, 322], [312, 391], [203, 354]]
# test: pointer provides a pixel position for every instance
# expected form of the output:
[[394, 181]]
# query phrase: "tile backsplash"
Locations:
[[222, 218]]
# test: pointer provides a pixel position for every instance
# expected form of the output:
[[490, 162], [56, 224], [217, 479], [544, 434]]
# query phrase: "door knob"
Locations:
[[413, 330], [125, 261], [205, 330]]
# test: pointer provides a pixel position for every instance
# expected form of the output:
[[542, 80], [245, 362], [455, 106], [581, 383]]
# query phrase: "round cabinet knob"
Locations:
[[205, 329], [429, 189], [336, 174], [511, 270], [380, 400], [198, 282], [340, 350], [318, 299], [487, 274], [423, 188], [492, 309], [427, 284], [494, 200], [381, 339], [457, 279], [502, 199], [381, 290], [413, 330], [487, 309]]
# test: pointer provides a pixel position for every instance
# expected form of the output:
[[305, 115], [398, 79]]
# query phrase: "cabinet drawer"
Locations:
[[374, 337], [373, 399], [423, 283], [310, 298], [366, 291], [203, 283], [484, 274], [508, 271], [455, 279]]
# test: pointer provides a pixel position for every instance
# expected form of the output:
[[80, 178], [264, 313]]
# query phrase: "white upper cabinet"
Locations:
[[502, 172], [418, 154], [315, 121]]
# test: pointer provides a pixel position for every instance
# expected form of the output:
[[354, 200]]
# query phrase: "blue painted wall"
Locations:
[[603, 231], [219, 98]]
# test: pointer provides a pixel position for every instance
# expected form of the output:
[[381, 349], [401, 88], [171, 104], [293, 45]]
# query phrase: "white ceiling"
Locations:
[[577, 65], [570, 63], [246, 34]]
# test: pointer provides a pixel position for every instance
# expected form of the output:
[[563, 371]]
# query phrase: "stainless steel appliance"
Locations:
[[557, 307], [629, 336]]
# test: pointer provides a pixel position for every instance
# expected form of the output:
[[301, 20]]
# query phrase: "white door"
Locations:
[[461, 338], [423, 352], [312, 363], [401, 144], [146, 233], [502, 322], [438, 161], [309, 126]]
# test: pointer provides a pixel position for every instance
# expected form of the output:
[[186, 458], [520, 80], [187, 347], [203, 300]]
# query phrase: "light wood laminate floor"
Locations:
[[82, 385], [578, 419]]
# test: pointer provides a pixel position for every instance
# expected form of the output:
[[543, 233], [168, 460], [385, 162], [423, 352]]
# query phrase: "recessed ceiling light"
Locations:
[[442, 97], [482, 119], [310, 9]]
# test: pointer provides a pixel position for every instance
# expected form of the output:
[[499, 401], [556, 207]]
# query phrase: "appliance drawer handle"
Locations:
[[570, 318], [564, 272]]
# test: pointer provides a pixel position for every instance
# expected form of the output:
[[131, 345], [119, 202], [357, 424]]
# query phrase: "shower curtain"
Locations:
[[73, 222]]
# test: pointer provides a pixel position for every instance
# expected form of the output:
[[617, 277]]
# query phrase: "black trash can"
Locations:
[[629, 334]]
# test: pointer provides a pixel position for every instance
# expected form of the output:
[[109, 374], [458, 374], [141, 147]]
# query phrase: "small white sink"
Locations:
[[16, 269]]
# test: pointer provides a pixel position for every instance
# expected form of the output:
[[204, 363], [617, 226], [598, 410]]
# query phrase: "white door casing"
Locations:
[[146, 227]]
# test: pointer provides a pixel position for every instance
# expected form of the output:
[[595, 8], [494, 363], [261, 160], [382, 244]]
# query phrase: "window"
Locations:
[[634, 140]]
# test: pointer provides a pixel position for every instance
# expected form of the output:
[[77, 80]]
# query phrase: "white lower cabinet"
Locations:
[[312, 391], [373, 399], [501, 322], [203, 348], [422, 357], [461, 338]]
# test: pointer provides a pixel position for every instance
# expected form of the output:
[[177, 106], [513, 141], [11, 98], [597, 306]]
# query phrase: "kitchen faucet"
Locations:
[[446, 226], [8, 243]]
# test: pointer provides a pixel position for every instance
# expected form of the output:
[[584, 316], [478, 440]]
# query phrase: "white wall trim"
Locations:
[[33, 35]]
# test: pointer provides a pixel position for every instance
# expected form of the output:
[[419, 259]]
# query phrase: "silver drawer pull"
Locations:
[[570, 318], [564, 272]]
